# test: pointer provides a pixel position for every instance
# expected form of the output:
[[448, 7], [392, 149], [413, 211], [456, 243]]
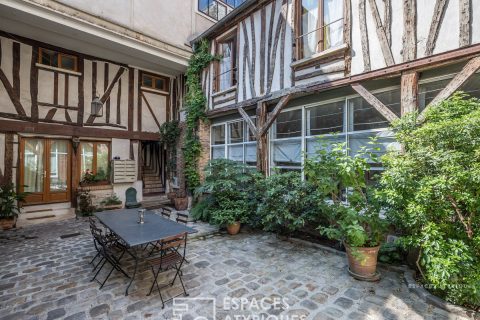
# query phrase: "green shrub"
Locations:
[[10, 200], [227, 194], [286, 203], [432, 193], [352, 212]]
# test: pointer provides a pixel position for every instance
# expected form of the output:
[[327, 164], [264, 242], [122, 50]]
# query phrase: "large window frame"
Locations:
[[154, 81], [346, 135], [217, 9], [230, 73], [319, 32], [248, 142]]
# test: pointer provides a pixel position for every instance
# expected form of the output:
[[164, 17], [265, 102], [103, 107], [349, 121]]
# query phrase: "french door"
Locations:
[[45, 169]]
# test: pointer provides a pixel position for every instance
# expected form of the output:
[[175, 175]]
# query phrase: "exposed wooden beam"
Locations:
[[273, 115], [460, 78], [262, 140], [382, 36], [465, 17], [438, 13], [387, 18], [347, 34], [249, 121], [409, 51], [364, 35], [377, 104], [409, 91], [106, 94]]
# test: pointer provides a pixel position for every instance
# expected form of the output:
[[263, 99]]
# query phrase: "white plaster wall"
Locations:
[[159, 106], [5, 103], [2, 153]]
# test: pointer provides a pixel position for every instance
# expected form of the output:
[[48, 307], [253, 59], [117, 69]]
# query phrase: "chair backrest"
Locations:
[[175, 242], [92, 222], [131, 195], [167, 213], [182, 218]]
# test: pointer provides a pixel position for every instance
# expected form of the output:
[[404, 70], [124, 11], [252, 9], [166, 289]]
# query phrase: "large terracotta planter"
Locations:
[[362, 262], [171, 196], [233, 228], [8, 223], [181, 203]]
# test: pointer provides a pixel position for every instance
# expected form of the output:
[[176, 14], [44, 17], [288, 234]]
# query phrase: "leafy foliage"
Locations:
[[339, 177], [195, 111], [286, 203], [10, 200], [111, 200], [228, 193], [85, 206], [432, 193]]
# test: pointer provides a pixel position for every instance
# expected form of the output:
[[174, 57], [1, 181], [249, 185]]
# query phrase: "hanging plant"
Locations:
[[195, 102]]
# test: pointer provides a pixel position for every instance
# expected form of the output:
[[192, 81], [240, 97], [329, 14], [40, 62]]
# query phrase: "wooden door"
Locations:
[[45, 170]]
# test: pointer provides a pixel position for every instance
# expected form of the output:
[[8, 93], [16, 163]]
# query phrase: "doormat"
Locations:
[[71, 235], [42, 217]]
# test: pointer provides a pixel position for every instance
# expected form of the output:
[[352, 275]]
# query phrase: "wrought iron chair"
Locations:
[[182, 218], [171, 256], [106, 249], [166, 213]]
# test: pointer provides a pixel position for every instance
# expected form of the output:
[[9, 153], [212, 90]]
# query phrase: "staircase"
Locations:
[[152, 184], [152, 169]]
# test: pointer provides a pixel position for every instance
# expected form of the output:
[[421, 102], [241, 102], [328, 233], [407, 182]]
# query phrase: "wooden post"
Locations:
[[262, 141], [409, 91]]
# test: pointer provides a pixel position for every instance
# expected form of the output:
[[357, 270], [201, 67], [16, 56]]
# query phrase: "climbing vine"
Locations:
[[169, 134], [195, 102]]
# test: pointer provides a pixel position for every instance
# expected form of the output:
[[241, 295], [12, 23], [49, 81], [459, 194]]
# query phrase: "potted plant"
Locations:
[[10, 202], [111, 202], [92, 179], [231, 215], [349, 205], [85, 205]]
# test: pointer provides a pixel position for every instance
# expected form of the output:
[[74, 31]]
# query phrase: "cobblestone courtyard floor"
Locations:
[[43, 276]]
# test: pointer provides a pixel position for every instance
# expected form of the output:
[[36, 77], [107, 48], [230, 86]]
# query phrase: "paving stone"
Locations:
[[14, 316], [56, 313], [222, 281], [202, 264], [320, 298], [358, 316], [309, 304], [330, 290], [67, 300], [137, 306], [99, 310], [77, 316], [300, 293], [297, 314], [345, 303], [238, 293], [252, 285], [353, 293], [334, 312]]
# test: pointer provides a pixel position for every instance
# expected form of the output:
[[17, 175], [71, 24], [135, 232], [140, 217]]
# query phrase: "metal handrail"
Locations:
[[322, 27]]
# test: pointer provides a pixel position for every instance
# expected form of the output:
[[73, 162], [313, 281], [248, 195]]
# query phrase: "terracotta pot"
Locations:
[[8, 223], [362, 262], [181, 203], [233, 228], [171, 195]]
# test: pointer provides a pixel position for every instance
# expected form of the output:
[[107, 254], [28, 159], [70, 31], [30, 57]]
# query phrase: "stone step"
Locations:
[[150, 185], [151, 178], [153, 190]]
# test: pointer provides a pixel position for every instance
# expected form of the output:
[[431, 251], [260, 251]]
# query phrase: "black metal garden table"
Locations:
[[124, 224]]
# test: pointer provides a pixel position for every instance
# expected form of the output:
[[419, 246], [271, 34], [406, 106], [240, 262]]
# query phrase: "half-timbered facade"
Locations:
[[340, 68], [52, 139]]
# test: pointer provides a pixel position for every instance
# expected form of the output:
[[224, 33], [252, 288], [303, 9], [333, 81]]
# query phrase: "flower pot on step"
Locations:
[[181, 203], [233, 228], [362, 262], [8, 223]]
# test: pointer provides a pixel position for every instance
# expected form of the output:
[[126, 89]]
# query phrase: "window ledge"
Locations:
[[228, 90], [44, 66], [148, 89], [319, 56]]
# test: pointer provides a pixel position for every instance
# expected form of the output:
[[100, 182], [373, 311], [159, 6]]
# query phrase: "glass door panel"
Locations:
[[34, 165], [58, 166]]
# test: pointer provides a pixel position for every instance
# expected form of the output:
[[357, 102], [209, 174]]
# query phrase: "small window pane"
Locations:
[[86, 157], [428, 91], [251, 136], [235, 130], [310, 39], [102, 161], [289, 124], [218, 134], [325, 142], [49, 58], [222, 11], [251, 153], [159, 84], [235, 152], [147, 81], [287, 152], [68, 62], [332, 19], [326, 119], [218, 152], [472, 86], [385, 141], [391, 99], [365, 117]]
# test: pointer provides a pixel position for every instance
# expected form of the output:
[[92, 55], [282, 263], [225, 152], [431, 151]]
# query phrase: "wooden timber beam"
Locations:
[[409, 91], [377, 104], [409, 51], [262, 140], [438, 13], [382, 36], [273, 115], [249, 121], [468, 70]]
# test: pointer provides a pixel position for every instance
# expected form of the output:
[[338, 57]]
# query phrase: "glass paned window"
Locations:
[[34, 165], [57, 59], [364, 116], [326, 118], [391, 99], [95, 159], [86, 154], [218, 134], [287, 152], [321, 25], [225, 73], [428, 91], [324, 142], [289, 124], [235, 131], [235, 152], [472, 86]]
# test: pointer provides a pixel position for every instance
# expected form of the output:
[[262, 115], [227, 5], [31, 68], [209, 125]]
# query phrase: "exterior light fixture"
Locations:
[[97, 107]]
